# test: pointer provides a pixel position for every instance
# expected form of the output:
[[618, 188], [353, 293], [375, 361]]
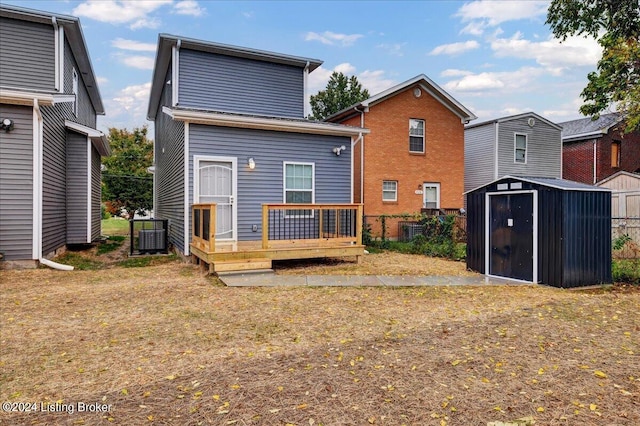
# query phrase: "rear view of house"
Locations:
[[240, 174], [50, 149], [519, 145]]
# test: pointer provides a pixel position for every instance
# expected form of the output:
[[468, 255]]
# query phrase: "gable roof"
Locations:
[[73, 34], [587, 128], [515, 117], [563, 184], [620, 173], [425, 84], [163, 58]]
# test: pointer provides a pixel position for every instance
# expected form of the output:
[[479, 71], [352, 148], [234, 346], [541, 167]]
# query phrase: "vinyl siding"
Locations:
[[231, 84], [16, 184], [86, 112], [76, 190], [27, 55], [479, 153], [54, 198], [544, 149], [270, 149], [96, 194], [169, 175]]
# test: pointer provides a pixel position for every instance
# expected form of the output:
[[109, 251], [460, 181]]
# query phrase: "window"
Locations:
[[431, 195], [299, 187], [615, 153], [520, 149], [389, 190], [75, 91], [416, 135]]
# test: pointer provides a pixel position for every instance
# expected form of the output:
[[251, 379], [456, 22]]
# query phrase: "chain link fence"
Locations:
[[625, 232]]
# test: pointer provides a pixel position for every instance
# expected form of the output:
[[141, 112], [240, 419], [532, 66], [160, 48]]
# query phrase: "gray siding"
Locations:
[[231, 84], [544, 149], [96, 195], [27, 55], [54, 197], [76, 188], [169, 176], [86, 112], [479, 153], [270, 149], [16, 184]]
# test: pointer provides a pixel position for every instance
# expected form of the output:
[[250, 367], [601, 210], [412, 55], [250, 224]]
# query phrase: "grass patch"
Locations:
[[79, 262], [143, 261], [626, 271], [112, 244], [115, 226]]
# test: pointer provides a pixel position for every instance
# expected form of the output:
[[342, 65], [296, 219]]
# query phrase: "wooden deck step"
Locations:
[[241, 265]]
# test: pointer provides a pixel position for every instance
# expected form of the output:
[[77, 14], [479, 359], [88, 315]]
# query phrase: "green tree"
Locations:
[[340, 93], [126, 181], [615, 24]]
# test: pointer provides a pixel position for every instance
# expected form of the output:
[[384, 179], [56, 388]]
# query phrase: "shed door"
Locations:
[[511, 236]]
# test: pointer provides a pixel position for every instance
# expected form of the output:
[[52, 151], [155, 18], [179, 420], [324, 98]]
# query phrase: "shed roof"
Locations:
[[635, 176], [515, 117], [73, 33], [425, 83], [562, 184], [163, 59], [588, 128]]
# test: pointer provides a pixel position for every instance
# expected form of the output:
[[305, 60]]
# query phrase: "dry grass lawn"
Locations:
[[168, 345]]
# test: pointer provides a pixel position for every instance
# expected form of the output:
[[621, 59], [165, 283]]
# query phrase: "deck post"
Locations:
[[212, 227], [320, 233], [359, 224], [265, 226]]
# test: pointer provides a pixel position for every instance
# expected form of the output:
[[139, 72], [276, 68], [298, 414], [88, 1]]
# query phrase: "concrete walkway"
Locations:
[[270, 279]]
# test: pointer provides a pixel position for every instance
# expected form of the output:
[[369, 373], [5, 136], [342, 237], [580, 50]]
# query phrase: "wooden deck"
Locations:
[[289, 231]]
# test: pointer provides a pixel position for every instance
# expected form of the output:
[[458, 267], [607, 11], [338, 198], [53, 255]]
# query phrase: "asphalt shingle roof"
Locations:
[[587, 125]]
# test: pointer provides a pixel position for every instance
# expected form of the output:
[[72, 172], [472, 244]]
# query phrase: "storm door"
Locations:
[[215, 183]]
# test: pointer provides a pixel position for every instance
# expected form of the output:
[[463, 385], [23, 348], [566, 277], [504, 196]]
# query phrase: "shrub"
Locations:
[[626, 271]]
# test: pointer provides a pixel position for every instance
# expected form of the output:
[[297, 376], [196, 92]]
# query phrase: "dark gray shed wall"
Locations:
[[169, 175], [16, 184], [77, 169], [27, 55], [544, 149], [231, 84], [270, 149]]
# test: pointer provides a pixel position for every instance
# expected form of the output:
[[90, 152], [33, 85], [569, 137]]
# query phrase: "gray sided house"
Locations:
[[230, 130], [50, 149], [519, 145]]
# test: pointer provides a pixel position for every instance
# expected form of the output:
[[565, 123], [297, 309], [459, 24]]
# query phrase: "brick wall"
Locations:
[[577, 161], [387, 157]]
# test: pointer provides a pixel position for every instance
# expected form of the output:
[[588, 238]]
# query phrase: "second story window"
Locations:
[[615, 153], [416, 135], [520, 149], [75, 91]]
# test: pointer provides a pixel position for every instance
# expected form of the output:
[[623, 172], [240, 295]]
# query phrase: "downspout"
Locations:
[[361, 139], [595, 161], [56, 54], [305, 77], [38, 208]]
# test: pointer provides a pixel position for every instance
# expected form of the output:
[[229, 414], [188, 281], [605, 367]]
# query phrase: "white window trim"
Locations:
[[234, 187], [395, 193], [424, 130], [515, 147], [435, 185], [75, 81], [284, 187]]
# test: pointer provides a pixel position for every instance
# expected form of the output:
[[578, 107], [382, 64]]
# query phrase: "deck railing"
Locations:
[[283, 224], [311, 224]]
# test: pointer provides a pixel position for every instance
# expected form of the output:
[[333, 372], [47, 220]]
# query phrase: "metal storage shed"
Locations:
[[540, 230]]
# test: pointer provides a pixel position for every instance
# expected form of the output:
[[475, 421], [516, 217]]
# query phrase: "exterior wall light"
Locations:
[[6, 125], [251, 163], [338, 149]]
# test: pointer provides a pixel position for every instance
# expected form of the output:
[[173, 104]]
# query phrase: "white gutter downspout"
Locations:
[[495, 156], [175, 65], [37, 192], [361, 139], [305, 77], [595, 161]]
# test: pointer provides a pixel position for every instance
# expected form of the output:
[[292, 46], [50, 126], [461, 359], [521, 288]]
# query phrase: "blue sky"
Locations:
[[497, 58]]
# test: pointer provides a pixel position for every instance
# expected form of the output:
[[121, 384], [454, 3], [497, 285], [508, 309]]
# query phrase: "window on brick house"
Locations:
[[416, 135], [389, 190], [615, 153]]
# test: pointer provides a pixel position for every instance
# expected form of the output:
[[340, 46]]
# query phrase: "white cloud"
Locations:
[[496, 83], [102, 80], [248, 15], [393, 49], [137, 61], [332, 38], [455, 48], [188, 7], [482, 14], [117, 12], [375, 81], [128, 107], [551, 54], [454, 73], [121, 43]]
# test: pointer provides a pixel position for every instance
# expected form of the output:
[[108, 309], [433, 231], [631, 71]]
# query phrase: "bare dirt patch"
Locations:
[[169, 345]]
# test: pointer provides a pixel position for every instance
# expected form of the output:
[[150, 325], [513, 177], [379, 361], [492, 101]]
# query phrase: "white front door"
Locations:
[[216, 183], [431, 195]]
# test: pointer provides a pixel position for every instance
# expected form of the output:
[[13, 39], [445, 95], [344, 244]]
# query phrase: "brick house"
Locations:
[[593, 150], [413, 157]]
